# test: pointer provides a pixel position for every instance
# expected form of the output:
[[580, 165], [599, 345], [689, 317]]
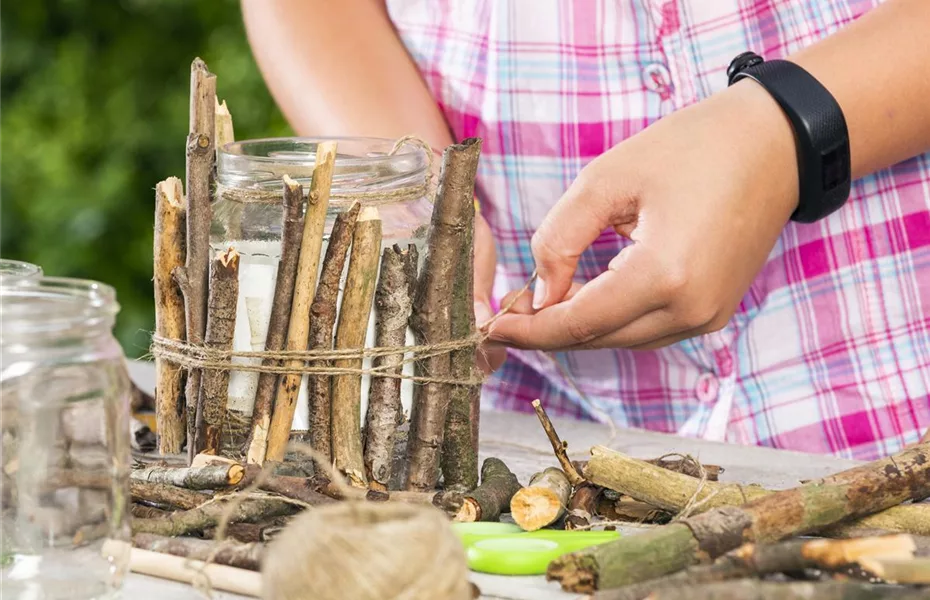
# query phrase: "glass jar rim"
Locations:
[[48, 305], [10, 269]]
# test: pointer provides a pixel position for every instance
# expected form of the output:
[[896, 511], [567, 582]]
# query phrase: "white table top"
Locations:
[[519, 441]]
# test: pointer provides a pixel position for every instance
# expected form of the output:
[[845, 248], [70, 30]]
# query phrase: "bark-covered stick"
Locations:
[[459, 459], [291, 229], [169, 313], [753, 589], [487, 501], [431, 318], [542, 501], [806, 509], [583, 506], [184, 522], [354, 314], [243, 556], [305, 284], [166, 495], [322, 322], [142, 511], [212, 477], [221, 325], [193, 277], [559, 446], [393, 301]]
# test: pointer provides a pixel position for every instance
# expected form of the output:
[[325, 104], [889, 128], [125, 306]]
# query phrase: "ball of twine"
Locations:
[[367, 551]]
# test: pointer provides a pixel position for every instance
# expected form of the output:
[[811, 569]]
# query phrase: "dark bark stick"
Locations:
[[459, 459], [543, 500], [308, 264], [141, 511], [192, 279], [212, 477], [298, 488], [559, 446], [393, 301], [431, 319], [166, 495], [583, 506], [209, 515], [752, 589], [322, 323], [169, 313], [243, 556], [221, 325], [354, 315], [806, 509], [487, 501], [291, 229]]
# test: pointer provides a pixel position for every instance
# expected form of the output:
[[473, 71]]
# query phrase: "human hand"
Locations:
[[703, 193]]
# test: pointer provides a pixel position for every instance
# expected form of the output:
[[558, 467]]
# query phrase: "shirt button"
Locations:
[[656, 78], [707, 387]]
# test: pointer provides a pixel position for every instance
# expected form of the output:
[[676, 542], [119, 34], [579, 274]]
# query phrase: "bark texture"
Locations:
[[209, 515], [242, 556], [212, 477], [751, 589], [166, 496], [492, 497], [583, 506]]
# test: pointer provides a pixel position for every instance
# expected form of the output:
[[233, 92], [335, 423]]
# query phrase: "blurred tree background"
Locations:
[[93, 113]]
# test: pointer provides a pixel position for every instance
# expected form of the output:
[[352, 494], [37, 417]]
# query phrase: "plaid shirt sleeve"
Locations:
[[829, 351]]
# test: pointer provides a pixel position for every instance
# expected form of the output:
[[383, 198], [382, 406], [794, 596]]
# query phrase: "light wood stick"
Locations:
[[393, 300], [223, 125], [354, 314], [559, 446], [322, 322], [291, 227], [229, 553], [305, 284], [542, 501], [212, 477], [166, 495], [431, 319], [169, 313]]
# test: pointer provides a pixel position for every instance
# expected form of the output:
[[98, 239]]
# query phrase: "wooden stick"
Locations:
[[305, 284], [542, 501], [210, 514], [212, 477], [688, 466], [291, 228], [223, 124], [322, 322], [672, 491], [299, 488], [908, 571], [192, 279], [459, 459], [165, 495], [221, 325], [559, 446], [487, 501], [232, 554], [583, 506], [354, 315], [431, 318], [141, 511], [753, 589], [185, 570], [393, 300], [851, 494], [169, 313], [630, 510]]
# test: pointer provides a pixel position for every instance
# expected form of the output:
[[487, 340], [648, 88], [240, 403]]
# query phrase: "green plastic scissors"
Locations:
[[505, 549]]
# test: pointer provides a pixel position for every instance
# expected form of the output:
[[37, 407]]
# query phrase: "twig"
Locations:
[[212, 477], [492, 497], [558, 445], [232, 554], [165, 495], [210, 514]]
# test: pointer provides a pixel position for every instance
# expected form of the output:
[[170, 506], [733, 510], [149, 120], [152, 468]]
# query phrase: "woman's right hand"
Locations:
[[490, 356]]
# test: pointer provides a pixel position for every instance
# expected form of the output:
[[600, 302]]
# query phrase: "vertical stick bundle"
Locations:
[[431, 320], [298, 328], [169, 312], [353, 325]]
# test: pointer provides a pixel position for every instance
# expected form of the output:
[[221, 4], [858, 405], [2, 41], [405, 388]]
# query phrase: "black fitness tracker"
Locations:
[[820, 132]]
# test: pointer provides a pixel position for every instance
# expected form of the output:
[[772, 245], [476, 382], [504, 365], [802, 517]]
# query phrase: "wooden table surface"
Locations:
[[519, 441]]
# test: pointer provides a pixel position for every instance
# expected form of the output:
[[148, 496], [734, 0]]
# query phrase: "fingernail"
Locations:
[[483, 313], [539, 294]]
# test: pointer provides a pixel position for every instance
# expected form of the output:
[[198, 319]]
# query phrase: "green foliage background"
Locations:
[[93, 113]]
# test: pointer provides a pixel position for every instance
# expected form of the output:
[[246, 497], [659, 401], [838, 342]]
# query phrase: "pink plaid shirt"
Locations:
[[829, 351]]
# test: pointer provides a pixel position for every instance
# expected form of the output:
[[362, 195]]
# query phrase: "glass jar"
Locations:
[[17, 269], [363, 168], [64, 393]]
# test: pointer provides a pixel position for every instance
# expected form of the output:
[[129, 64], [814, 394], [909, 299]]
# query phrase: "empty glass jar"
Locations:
[[65, 441]]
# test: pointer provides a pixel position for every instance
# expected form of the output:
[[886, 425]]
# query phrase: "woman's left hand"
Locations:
[[703, 193]]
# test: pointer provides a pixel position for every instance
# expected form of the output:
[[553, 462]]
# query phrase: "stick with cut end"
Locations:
[[192, 279], [543, 501], [393, 300], [221, 325], [583, 506], [232, 554], [431, 319], [212, 477], [291, 229], [487, 501], [322, 322], [558, 445], [164, 495], [169, 313], [305, 283], [354, 315], [805, 509], [209, 515]]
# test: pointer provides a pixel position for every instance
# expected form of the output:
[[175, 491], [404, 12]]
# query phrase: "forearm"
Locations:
[[339, 69], [878, 69]]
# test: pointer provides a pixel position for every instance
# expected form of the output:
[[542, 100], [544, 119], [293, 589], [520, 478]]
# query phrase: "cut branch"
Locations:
[[212, 477], [291, 228], [322, 323], [166, 495], [305, 284], [197, 519], [221, 325], [583, 506], [169, 313], [806, 509], [242, 556], [394, 302], [354, 314], [298, 488], [559, 446], [752, 589], [431, 319], [487, 501], [543, 501]]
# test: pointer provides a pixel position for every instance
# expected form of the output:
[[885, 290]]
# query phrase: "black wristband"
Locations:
[[820, 132]]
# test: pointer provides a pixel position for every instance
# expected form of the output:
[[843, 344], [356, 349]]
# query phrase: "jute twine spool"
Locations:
[[367, 551]]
